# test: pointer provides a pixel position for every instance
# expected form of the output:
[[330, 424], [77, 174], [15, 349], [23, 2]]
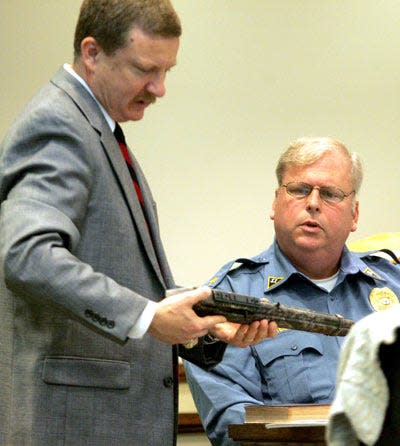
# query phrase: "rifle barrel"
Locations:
[[246, 309]]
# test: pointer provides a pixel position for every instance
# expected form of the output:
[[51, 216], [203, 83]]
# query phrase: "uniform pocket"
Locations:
[[285, 364], [86, 372]]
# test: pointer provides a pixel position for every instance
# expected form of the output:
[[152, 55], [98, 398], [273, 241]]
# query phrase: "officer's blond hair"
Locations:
[[307, 150]]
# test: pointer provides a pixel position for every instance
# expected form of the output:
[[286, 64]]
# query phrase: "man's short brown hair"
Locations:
[[109, 21]]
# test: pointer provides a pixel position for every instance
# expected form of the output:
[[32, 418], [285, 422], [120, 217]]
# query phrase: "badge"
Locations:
[[382, 298], [273, 280]]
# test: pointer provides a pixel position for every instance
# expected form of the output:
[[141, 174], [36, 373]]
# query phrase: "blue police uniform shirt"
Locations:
[[295, 366]]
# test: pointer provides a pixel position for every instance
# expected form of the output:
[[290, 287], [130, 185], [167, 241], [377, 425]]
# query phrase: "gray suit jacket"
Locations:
[[78, 263]]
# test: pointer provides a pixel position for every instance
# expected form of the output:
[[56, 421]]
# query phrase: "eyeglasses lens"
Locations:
[[327, 193]]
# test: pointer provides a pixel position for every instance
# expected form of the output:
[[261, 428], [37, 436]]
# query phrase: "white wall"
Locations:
[[252, 76]]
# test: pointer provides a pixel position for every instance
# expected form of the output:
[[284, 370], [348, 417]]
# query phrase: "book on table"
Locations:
[[276, 416]]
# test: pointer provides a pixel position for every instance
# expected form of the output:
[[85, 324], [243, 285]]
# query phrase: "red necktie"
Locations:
[[119, 135]]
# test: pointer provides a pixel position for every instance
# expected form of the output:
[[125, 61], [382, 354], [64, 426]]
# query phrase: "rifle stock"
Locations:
[[246, 309]]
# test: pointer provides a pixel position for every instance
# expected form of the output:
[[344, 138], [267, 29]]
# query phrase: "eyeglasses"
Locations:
[[330, 194]]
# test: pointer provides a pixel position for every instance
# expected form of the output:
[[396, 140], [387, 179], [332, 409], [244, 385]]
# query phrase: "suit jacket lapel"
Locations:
[[93, 114], [112, 150], [152, 220]]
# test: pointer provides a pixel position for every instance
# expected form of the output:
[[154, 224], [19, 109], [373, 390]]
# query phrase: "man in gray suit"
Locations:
[[88, 349]]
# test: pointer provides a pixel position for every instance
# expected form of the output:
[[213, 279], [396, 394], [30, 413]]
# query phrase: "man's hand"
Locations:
[[244, 335], [175, 322]]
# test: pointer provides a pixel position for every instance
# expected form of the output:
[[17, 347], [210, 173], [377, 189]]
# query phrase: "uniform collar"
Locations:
[[353, 263], [278, 268], [275, 266]]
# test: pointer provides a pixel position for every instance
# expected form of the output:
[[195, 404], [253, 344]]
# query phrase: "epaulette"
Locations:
[[385, 253], [220, 275]]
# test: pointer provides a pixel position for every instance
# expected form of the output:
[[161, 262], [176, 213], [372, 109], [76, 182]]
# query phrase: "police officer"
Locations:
[[307, 266]]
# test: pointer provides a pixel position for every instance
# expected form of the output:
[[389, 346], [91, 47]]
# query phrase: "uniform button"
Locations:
[[294, 347], [168, 381]]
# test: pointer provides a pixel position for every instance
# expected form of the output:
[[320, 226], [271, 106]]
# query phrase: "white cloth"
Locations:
[[362, 395]]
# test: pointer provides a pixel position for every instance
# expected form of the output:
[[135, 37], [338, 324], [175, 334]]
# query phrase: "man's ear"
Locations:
[[90, 51], [272, 211], [355, 211]]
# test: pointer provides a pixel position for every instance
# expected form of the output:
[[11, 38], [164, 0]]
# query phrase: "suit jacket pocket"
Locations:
[[86, 372]]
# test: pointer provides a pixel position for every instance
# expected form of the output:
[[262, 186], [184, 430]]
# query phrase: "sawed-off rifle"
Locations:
[[246, 309]]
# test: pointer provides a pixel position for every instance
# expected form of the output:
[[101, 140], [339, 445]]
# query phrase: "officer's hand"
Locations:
[[243, 335]]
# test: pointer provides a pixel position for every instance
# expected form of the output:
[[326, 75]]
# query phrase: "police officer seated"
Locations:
[[307, 266]]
